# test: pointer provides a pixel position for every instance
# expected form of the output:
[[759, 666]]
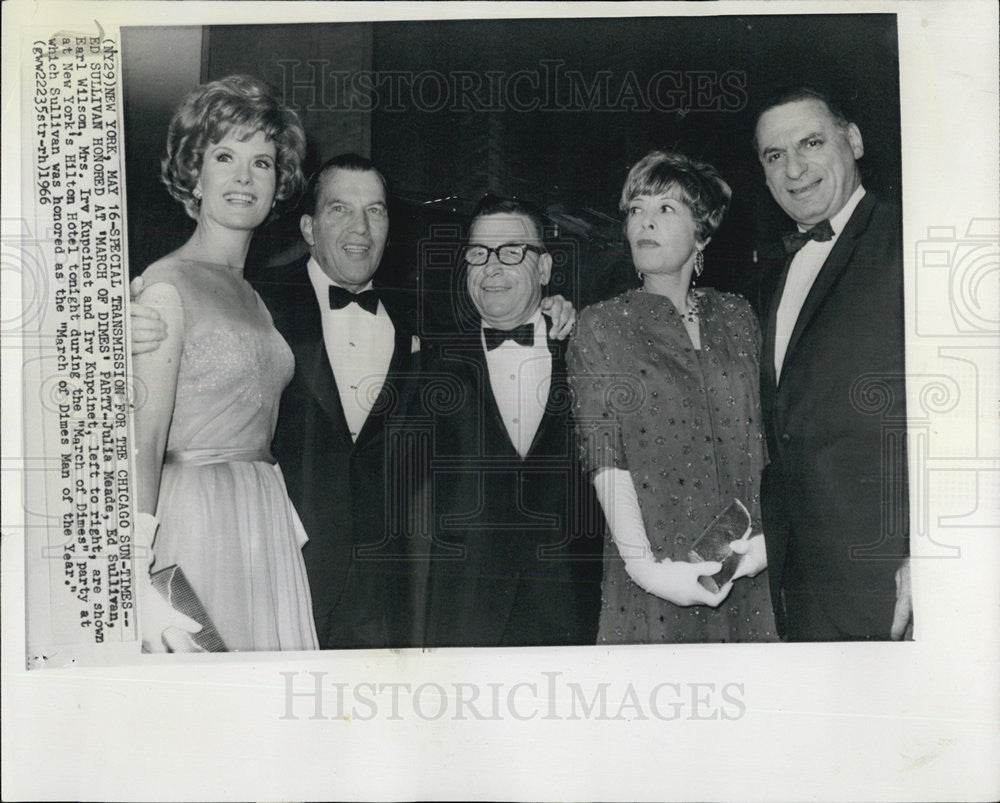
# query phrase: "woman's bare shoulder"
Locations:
[[166, 268], [166, 279], [179, 270]]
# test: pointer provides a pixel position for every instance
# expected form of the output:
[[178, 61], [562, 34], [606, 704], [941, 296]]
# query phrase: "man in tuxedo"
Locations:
[[834, 495], [356, 363], [517, 530]]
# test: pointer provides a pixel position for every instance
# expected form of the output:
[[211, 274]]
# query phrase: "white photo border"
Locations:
[[914, 721]]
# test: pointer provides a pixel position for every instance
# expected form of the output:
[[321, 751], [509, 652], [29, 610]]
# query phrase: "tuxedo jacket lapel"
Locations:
[[306, 340], [495, 432], [320, 380], [389, 395], [831, 271], [770, 326], [555, 404]]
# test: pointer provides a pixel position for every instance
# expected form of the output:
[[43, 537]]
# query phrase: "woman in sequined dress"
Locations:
[[666, 387], [206, 478]]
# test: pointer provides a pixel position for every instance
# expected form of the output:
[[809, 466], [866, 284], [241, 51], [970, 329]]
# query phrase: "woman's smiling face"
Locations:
[[237, 180]]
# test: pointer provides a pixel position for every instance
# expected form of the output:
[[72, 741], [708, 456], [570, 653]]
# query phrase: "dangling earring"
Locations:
[[639, 274], [699, 264], [196, 192]]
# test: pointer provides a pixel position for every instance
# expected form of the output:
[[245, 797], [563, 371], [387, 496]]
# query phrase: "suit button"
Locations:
[[786, 438]]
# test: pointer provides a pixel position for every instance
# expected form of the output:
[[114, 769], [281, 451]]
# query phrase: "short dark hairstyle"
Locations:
[[342, 161], [700, 185], [794, 94], [499, 205], [210, 112]]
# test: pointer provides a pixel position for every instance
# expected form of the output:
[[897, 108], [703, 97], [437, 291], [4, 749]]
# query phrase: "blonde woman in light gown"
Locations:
[[210, 497]]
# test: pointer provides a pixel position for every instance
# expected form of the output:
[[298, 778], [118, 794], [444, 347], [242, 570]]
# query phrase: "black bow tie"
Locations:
[[822, 232], [340, 298], [523, 334]]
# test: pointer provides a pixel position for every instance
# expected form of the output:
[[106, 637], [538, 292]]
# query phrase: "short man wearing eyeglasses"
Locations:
[[516, 528]]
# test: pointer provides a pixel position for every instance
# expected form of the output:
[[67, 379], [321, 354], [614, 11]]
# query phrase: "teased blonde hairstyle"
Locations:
[[207, 114], [701, 187]]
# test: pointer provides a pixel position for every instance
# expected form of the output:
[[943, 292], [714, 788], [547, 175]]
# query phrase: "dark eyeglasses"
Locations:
[[508, 254]]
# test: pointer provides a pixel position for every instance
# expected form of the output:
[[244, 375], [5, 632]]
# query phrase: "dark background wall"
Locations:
[[551, 110]]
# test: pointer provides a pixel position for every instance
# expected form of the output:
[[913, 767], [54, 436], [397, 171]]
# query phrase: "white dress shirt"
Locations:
[[521, 377], [359, 347], [805, 267]]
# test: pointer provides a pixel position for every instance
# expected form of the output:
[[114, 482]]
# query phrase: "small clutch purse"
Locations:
[[173, 586], [732, 524]]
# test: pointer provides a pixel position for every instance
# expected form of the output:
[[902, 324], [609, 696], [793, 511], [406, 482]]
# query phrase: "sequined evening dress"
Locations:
[[225, 516], [686, 424]]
